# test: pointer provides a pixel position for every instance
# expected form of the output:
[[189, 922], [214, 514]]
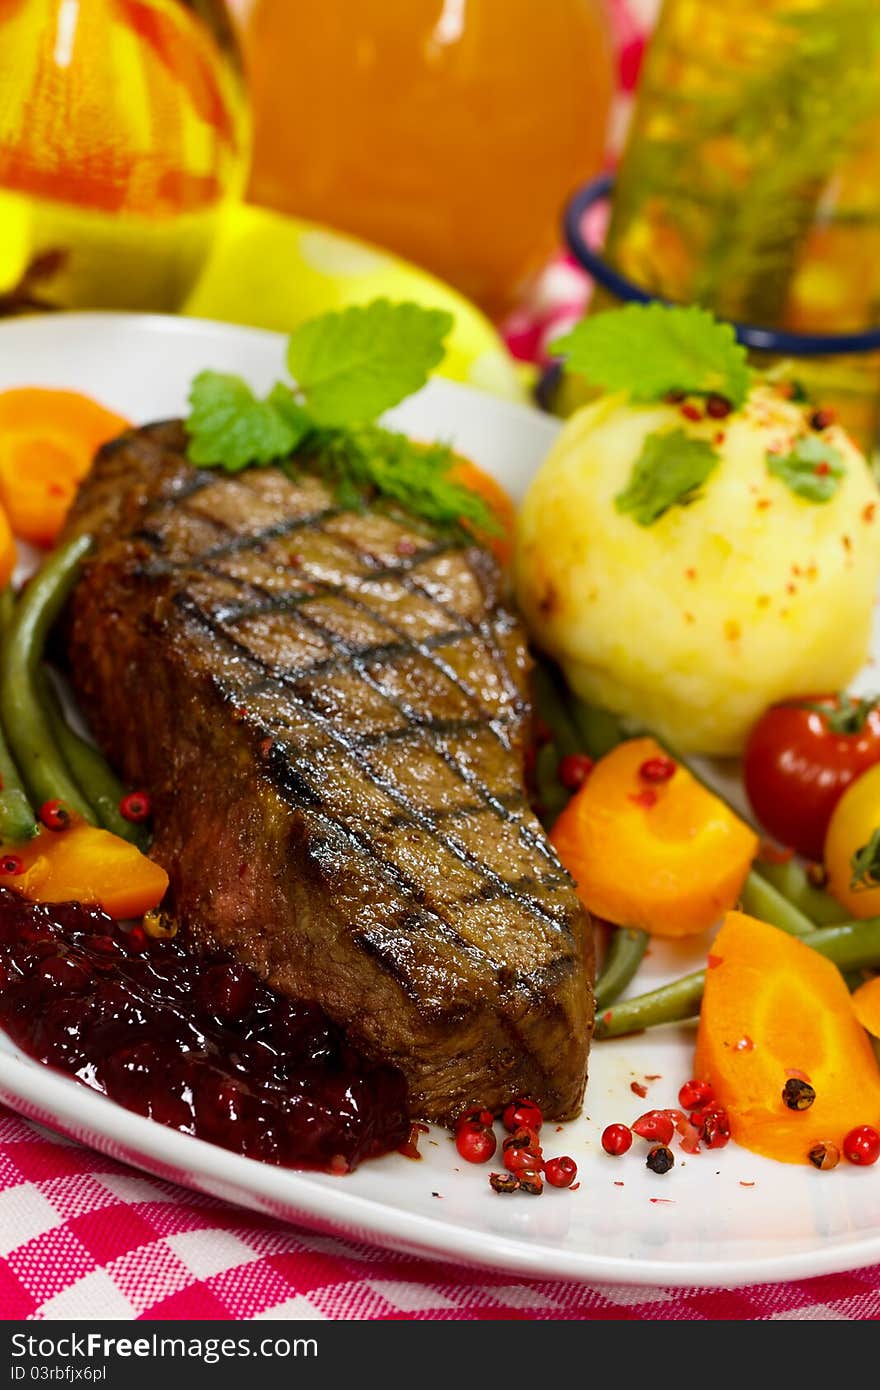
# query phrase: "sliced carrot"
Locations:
[[470, 475], [866, 1002], [775, 1010], [48, 439], [7, 550], [666, 856], [88, 865]]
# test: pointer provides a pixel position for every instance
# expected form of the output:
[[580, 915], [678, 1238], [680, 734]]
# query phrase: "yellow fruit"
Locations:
[[273, 272]]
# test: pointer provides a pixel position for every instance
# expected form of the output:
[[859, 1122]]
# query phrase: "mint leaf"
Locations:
[[812, 470], [230, 428], [649, 350], [351, 366], [667, 473]]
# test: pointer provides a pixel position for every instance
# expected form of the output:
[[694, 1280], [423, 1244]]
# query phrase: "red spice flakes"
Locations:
[[797, 1075], [718, 407], [638, 1089], [266, 747], [745, 1184], [606, 1017], [410, 1148], [654, 1076], [618, 1183], [762, 503], [55, 490], [136, 807], [869, 512], [661, 769], [821, 419], [791, 588], [719, 438], [573, 770], [822, 469], [713, 961], [744, 1044], [239, 714], [294, 561], [691, 411], [662, 1201], [645, 798], [690, 572], [732, 630], [405, 546]]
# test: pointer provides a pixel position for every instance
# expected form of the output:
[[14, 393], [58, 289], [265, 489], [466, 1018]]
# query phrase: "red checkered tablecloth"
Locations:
[[83, 1237]]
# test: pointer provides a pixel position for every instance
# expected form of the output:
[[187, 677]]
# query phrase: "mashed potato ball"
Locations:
[[741, 595]]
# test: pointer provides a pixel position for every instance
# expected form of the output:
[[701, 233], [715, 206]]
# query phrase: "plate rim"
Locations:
[[355, 1217]]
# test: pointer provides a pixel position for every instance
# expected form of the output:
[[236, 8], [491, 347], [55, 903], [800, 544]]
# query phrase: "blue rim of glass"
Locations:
[[771, 340]]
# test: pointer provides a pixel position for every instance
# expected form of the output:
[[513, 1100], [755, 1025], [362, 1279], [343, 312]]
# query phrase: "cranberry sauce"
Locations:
[[197, 1043]]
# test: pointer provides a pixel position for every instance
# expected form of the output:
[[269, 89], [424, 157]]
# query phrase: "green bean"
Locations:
[[17, 822], [673, 1003], [91, 772], [552, 795], [24, 720], [790, 879], [625, 953], [850, 945], [760, 899], [552, 706], [7, 609], [599, 729]]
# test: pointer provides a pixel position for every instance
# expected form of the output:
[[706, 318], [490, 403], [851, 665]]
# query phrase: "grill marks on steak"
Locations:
[[328, 709]]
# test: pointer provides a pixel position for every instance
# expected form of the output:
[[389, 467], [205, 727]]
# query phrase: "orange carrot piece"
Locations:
[[48, 439], [773, 1009], [866, 1002], [7, 550], [666, 856], [88, 865], [470, 475]]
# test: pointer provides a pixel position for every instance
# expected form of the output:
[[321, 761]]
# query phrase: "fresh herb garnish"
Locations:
[[865, 866], [668, 472], [351, 366], [230, 428], [812, 470], [650, 350], [348, 368]]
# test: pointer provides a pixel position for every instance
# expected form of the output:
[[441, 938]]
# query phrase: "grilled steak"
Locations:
[[328, 710]]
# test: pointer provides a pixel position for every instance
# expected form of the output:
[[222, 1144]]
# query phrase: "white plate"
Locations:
[[719, 1218]]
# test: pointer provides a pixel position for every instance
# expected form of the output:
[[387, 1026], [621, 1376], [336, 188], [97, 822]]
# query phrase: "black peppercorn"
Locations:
[[798, 1094], [660, 1159]]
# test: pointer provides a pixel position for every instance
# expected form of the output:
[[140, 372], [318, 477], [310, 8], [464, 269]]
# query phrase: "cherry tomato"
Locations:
[[800, 758], [852, 847]]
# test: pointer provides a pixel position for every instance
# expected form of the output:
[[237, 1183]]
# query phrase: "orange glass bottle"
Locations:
[[449, 131], [122, 135]]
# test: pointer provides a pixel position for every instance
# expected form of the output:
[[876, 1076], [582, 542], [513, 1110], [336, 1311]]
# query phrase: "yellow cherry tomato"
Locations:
[[852, 843]]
